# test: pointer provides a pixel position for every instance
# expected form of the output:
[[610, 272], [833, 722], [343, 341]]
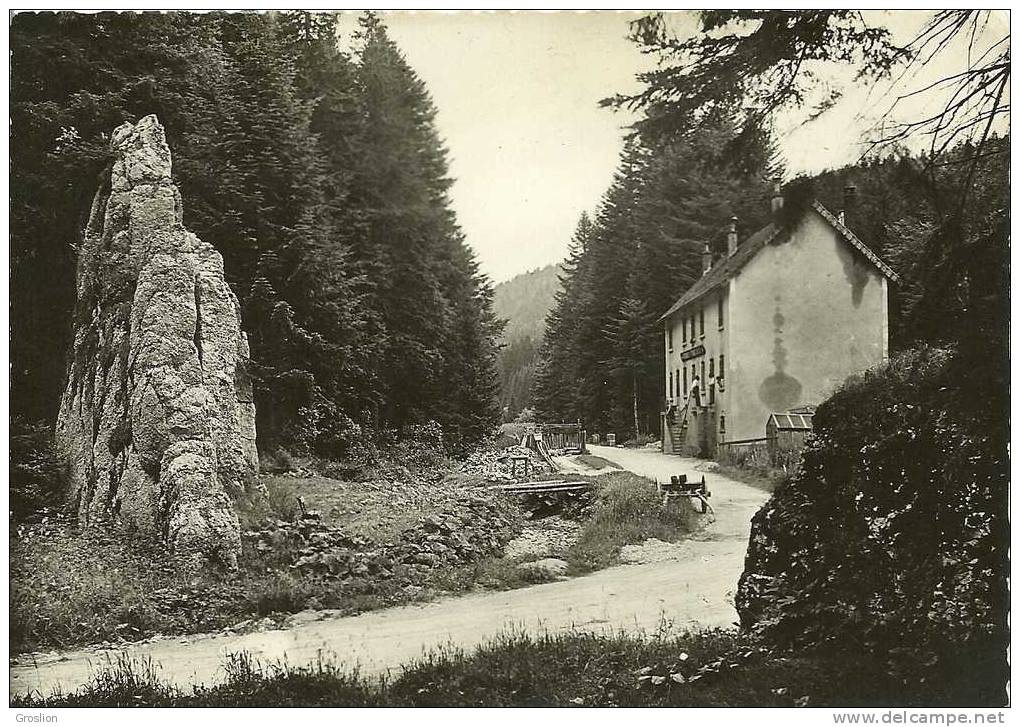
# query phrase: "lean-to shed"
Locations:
[[788, 429]]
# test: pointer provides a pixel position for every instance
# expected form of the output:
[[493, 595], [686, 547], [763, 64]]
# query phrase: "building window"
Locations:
[[722, 424], [719, 307], [685, 382], [701, 320], [711, 393], [702, 375], [711, 367], [692, 329], [670, 384], [669, 337], [722, 370], [683, 329]]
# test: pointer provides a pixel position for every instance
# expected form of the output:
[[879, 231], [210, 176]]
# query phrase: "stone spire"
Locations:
[[157, 421]]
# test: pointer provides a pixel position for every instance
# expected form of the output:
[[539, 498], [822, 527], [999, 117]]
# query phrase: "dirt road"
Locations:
[[694, 592]]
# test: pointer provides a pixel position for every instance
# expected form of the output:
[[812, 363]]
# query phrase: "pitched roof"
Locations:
[[729, 266], [788, 420]]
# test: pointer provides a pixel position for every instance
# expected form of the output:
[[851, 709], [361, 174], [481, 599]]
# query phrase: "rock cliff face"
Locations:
[[157, 422]]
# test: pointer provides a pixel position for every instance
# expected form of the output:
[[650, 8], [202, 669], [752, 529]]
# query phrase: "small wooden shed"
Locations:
[[786, 430]]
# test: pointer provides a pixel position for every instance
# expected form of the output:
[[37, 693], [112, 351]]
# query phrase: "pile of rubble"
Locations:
[[498, 466], [479, 528], [548, 537]]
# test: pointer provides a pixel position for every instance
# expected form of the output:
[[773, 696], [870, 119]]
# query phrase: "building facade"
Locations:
[[776, 324]]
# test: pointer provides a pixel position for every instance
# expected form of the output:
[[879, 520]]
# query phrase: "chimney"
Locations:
[[706, 259], [849, 205], [777, 199], [731, 237]]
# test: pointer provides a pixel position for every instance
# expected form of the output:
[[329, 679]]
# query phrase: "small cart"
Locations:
[[680, 486]]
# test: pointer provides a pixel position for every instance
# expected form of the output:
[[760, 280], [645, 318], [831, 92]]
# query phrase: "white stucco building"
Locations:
[[776, 324]]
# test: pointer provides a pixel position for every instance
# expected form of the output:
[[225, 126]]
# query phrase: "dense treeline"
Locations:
[[317, 173], [601, 359]]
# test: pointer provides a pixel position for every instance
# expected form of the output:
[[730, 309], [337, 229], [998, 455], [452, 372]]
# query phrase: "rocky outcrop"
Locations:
[[157, 422]]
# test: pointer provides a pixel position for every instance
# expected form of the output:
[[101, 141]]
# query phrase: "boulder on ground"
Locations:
[[544, 569]]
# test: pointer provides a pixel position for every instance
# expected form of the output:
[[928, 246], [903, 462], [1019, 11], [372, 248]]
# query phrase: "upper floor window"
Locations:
[[669, 337], [701, 320], [670, 384], [719, 311], [683, 329], [711, 367], [685, 381], [722, 369]]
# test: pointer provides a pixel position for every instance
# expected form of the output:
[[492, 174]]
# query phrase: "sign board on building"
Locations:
[[692, 353]]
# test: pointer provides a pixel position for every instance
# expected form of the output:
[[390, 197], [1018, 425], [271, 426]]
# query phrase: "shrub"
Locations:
[[892, 537]]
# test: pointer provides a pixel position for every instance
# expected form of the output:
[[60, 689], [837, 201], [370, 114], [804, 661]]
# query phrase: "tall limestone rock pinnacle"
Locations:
[[157, 423]]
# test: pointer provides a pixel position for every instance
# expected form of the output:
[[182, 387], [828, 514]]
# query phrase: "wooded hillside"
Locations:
[[317, 174], [523, 302]]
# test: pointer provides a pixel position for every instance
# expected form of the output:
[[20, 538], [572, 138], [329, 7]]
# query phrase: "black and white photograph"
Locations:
[[510, 358]]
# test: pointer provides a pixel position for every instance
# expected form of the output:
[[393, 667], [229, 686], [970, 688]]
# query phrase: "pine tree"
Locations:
[[434, 308]]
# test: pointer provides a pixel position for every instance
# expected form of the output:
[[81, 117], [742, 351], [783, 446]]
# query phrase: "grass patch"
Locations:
[[72, 587], [763, 479], [710, 669], [627, 509]]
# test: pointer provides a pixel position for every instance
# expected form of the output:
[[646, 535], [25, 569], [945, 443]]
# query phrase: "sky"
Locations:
[[517, 97]]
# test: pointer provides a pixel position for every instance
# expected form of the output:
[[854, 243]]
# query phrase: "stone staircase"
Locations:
[[677, 430]]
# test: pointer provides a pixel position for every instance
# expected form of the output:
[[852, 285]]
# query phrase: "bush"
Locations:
[[892, 538], [37, 481], [627, 509]]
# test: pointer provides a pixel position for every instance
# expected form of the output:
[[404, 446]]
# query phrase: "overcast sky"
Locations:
[[530, 149]]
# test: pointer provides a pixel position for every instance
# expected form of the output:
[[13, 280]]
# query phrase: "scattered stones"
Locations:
[[477, 529], [551, 536], [497, 465]]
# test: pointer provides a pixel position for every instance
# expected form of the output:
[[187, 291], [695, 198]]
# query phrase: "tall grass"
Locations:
[[627, 509], [715, 668]]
